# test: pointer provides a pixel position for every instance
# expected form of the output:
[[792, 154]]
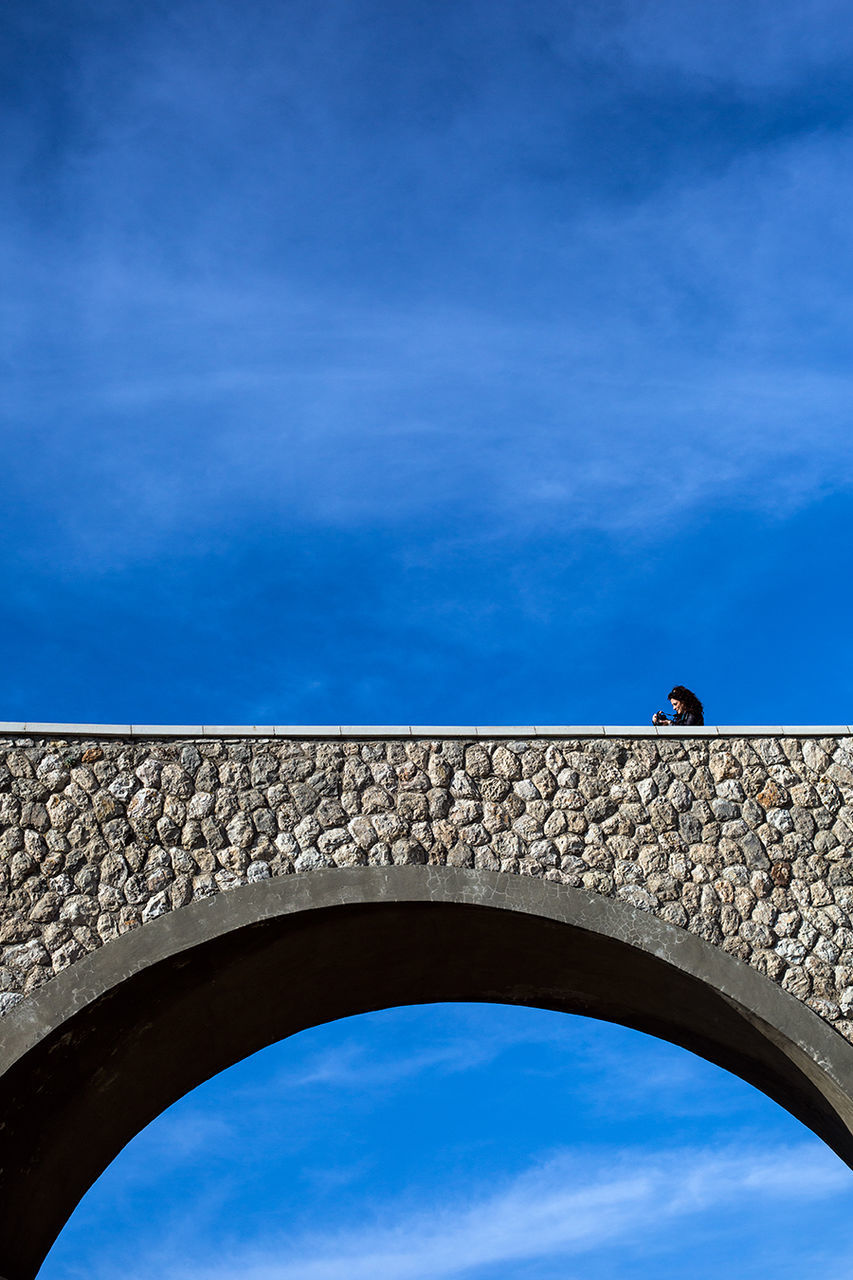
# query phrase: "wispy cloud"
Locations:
[[419, 415], [364, 1062], [642, 1070], [354, 1066], [766, 44], [564, 1209]]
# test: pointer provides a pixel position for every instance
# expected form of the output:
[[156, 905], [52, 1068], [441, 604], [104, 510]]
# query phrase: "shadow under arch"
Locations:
[[90, 1059]]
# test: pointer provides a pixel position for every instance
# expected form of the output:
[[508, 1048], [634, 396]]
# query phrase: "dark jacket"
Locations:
[[687, 717]]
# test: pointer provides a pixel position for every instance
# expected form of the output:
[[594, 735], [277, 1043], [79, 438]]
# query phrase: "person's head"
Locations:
[[683, 700]]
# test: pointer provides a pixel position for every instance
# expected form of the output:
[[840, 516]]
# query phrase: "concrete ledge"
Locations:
[[165, 730], [570, 730], [506, 731], [17, 729], [366, 731], [237, 731], [437, 731], [822, 731], [629, 731]]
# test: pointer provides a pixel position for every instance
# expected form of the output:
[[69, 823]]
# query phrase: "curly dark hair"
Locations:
[[690, 701]]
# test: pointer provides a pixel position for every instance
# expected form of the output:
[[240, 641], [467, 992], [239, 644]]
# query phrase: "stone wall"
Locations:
[[745, 841]]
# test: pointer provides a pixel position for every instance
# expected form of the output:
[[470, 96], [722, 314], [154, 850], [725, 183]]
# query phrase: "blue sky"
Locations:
[[475, 1142], [427, 362], [478, 362]]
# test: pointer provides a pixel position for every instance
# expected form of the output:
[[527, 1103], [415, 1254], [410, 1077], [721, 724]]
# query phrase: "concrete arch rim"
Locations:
[[791, 1030], [199, 922]]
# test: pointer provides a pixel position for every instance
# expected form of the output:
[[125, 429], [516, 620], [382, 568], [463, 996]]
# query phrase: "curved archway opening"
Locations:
[[110, 1044], [441, 1142]]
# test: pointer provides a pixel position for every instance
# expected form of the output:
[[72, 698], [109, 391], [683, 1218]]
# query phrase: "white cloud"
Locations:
[[564, 1209], [180, 1138], [357, 1064], [394, 419], [353, 1066]]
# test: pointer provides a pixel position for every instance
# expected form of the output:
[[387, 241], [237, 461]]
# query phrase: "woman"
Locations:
[[687, 708]]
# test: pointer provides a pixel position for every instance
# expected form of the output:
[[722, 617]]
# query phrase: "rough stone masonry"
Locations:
[[745, 841]]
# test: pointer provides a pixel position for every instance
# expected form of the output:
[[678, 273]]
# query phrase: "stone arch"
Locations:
[[110, 1043]]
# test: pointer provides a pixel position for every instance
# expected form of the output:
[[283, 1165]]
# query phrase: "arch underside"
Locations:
[[104, 1048]]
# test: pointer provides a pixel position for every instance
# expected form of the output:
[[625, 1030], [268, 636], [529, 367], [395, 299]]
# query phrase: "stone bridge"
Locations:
[[174, 899]]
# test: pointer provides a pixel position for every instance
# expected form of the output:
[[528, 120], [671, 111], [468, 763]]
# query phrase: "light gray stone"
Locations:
[[742, 840]]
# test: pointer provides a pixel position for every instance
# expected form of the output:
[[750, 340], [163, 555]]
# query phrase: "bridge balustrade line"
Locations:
[[12, 728]]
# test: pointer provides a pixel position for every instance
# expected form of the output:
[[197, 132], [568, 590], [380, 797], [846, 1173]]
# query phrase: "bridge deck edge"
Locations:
[[43, 730]]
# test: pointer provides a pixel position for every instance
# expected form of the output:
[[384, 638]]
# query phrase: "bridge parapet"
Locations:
[[742, 837]]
